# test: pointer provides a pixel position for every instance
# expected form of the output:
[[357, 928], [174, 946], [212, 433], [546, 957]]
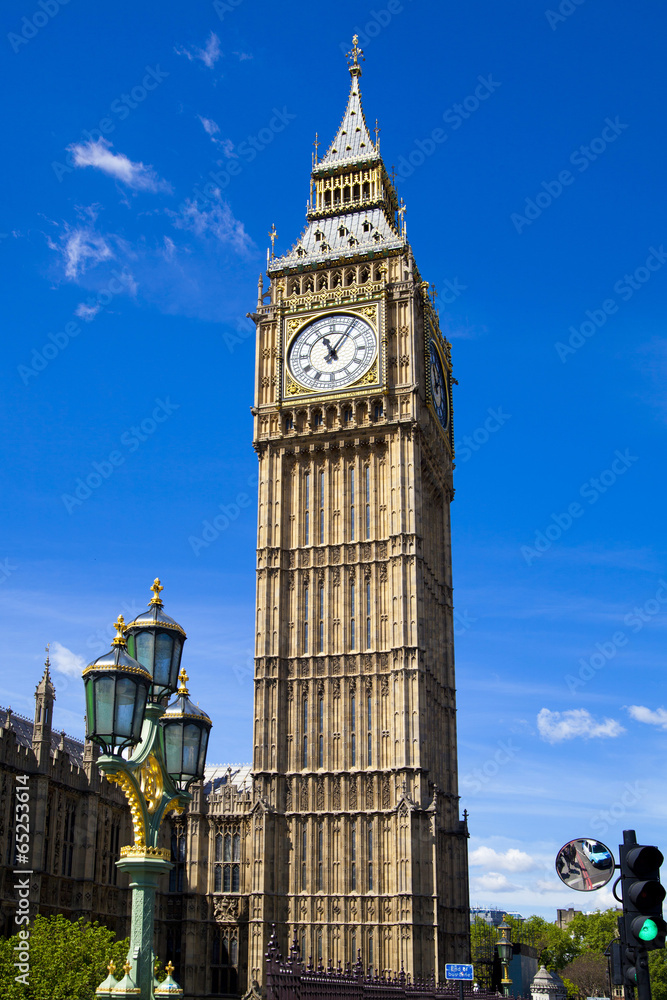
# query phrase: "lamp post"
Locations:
[[165, 751], [504, 946]]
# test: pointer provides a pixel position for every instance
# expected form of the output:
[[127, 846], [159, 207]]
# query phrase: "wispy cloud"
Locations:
[[65, 661], [137, 176], [81, 247], [511, 860], [217, 222], [212, 129], [653, 718], [209, 55], [554, 727]]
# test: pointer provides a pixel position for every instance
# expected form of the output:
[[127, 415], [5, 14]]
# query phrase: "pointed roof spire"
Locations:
[[45, 686], [353, 139]]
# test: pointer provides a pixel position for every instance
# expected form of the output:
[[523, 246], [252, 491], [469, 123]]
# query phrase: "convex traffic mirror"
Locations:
[[585, 864]]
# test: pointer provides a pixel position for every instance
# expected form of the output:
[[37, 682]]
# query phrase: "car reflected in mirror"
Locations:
[[585, 864]]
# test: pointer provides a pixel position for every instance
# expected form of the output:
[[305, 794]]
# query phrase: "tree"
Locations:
[[657, 967], [68, 960], [589, 974], [555, 947], [594, 931]]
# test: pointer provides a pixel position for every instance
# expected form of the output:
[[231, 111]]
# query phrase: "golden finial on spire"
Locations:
[[401, 213], [111, 967], [272, 236], [169, 968], [355, 54], [119, 625], [127, 967], [156, 588], [183, 678], [316, 145], [377, 135]]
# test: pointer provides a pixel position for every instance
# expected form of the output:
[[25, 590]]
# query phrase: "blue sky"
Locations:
[[537, 208]]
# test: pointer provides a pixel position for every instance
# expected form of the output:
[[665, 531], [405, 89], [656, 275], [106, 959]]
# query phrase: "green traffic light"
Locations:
[[648, 931]]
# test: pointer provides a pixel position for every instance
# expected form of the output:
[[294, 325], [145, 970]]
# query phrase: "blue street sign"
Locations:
[[458, 972]]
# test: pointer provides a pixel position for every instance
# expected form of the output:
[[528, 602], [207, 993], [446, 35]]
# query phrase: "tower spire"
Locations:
[[353, 57]]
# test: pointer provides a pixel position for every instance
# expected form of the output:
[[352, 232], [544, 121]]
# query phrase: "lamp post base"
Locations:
[[144, 871]]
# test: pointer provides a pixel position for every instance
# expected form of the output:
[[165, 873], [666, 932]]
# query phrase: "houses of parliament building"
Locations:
[[345, 831]]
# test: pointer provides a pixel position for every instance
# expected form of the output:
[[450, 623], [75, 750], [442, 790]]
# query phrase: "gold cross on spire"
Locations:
[[183, 678], [169, 968], [272, 236], [156, 588], [355, 54], [316, 145], [111, 967], [377, 131]]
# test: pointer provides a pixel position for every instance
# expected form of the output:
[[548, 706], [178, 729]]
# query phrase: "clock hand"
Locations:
[[331, 356], [343, 336]]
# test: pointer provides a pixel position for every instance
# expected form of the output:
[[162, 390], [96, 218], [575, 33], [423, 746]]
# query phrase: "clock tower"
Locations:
[[357, 843]]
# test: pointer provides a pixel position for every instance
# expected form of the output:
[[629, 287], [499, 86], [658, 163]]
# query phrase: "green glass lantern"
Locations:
[[186, 729], [504, 945], [156, 641], [116, 695]]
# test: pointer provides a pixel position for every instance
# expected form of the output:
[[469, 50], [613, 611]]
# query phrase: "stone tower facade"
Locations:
[[356, 842]]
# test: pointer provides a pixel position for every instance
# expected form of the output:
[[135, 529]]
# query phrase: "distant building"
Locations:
[[565, 917], [492, 916]]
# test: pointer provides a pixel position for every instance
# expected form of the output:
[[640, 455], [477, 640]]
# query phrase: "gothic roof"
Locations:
[[22, 729], [216, 775], [352, 142], [322, 239]]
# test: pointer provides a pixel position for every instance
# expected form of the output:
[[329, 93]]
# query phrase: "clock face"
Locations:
[[331, 353], [439, 387]]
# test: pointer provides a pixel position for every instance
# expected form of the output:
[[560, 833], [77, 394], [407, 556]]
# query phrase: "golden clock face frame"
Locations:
[[332, 352], [440, 387]]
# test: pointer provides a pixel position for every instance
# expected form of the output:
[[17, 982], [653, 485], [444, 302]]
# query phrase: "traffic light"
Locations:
[[642, 894]]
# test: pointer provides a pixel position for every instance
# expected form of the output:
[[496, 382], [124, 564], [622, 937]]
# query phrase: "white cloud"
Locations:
[[511, 860], [557, 726], [493, 882], [210, 127], [98, 154], [87, 312], [652, 718], [80, 249], [218, 221], [65, 661], [209, 55]]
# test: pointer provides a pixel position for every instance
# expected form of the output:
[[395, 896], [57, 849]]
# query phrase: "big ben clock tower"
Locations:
[[357, 844]]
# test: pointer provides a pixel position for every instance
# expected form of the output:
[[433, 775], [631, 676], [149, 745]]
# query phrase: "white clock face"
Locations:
[[331, 353]]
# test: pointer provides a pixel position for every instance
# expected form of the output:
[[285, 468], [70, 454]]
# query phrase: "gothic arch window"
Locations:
[[304, 855], [68, 839], [304, 758], [317, 418], [294, 286], [227, 876], [366, 190], [342, 231], [353, 860], [352, 505], [224, 961], [321, 511], [319, 235], [337, 279], [350, 276], [369, 853], [322, 282], [353, 727], [355, 192], [369, 722], [346, 193], [320, 749], [320, 863], [327, 199], [309, 284], [336, 196], [365, 275], [178, 848], [306, 520], [368, 500], [289, 422], [305, 622]]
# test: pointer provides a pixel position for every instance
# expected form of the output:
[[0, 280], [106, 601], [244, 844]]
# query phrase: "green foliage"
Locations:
[[657, 967], [68, 961], [555, 948], [572, 990], [594, 931]]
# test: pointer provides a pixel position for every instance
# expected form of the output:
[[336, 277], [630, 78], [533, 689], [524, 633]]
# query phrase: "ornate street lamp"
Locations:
[[165, 751], [505, 949]]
